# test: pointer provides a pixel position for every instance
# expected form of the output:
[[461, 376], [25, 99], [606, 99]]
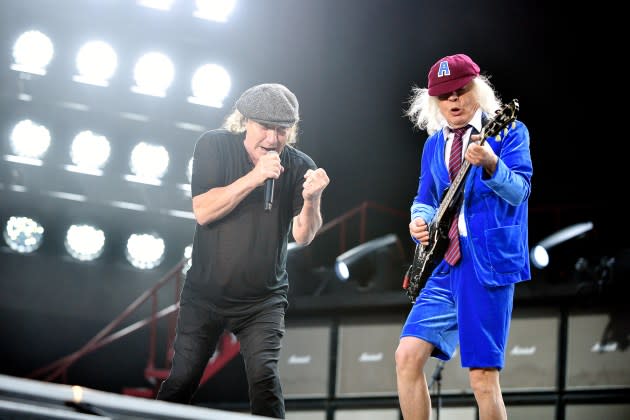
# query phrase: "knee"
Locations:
[[183, 378], [179, 386], [408, 360], [484, 382]]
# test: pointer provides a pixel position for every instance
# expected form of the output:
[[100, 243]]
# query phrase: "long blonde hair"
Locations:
[[425, 113], [237, 123]]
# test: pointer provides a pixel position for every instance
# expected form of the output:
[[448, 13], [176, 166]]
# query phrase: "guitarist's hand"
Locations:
[[418, 229], [481, 155]]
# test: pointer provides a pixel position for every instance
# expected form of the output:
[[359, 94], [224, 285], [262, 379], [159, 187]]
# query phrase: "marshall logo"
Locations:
[[299, 360], [604, 348], [523, 351], [370, 358]]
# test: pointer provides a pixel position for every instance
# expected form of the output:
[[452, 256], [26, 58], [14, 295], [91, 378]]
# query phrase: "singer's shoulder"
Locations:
[[298, 158]]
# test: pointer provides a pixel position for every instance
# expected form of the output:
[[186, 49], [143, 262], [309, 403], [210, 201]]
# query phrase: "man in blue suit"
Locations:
[[468, 297]]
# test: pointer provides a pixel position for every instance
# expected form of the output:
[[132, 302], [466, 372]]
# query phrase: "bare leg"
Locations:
[[487, 390], [413, 394]]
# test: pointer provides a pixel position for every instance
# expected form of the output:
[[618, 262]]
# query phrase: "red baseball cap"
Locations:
[[451, 73]]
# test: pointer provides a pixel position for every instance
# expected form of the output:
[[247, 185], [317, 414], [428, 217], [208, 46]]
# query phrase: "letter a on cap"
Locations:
[[443, 70]]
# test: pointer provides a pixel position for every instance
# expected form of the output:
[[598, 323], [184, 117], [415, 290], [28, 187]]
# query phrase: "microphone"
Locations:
[[268, 193], [269, 184]]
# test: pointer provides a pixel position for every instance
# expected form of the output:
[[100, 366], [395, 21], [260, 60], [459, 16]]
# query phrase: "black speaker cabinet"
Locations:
[[529, 412], [597, 351], [365, 359], [367, 414], [597, 411], [531, 357], [304, 361]]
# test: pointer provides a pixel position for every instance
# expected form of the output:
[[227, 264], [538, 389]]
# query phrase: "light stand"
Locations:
[[436, 378]]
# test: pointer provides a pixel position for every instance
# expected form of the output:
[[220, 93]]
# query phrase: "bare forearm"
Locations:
[[307, 223], [218, 202]]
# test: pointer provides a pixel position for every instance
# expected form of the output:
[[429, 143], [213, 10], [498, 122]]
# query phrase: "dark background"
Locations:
[[351, 63]]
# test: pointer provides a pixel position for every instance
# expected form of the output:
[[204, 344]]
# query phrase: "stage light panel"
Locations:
[[84, 242], [210, 86], [90, 151], [29, 139], [153, 74], [371, 265], [32, 53], [145, 251], [539, 257], [23, 234], [96, 63], [149, 160], [539, 254]]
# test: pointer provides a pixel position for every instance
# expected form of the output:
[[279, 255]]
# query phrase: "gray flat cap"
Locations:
[[269, 103]]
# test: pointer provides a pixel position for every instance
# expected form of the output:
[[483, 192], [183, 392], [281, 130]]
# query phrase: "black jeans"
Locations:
[[198, 331]]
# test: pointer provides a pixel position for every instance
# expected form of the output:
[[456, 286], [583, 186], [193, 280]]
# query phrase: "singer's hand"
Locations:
[[314, 183], [418, 229], [268, 166]]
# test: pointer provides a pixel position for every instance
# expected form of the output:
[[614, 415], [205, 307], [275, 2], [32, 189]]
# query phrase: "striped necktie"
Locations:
[[453, 253]]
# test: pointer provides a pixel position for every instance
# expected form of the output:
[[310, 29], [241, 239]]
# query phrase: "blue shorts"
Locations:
[[454, 306]]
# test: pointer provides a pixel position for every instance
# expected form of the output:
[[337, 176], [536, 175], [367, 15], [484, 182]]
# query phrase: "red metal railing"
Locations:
[[59, 368], [362, 211]]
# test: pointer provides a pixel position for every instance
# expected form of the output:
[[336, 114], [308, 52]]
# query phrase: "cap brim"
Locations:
[[450, 86], [274, 123]]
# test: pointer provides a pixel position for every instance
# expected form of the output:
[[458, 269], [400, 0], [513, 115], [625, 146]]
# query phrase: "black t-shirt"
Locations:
[[239, 261]]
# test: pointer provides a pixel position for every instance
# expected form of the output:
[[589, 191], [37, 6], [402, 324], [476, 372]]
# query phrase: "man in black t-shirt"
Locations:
[[238, 279]]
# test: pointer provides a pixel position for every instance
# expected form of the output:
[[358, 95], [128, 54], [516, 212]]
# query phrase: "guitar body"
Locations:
[[426, 258]]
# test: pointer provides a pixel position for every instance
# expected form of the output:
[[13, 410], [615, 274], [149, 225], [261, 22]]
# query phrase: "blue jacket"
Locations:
[[495, 208]]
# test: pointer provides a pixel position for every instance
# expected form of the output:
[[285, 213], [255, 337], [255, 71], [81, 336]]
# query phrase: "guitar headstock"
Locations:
[[501, 120]]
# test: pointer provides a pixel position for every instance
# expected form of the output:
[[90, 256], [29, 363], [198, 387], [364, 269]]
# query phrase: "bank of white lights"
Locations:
[[97, 63], [85, 242], [89, 153]]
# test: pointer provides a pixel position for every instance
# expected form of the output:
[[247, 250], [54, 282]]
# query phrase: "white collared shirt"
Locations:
[[475, 123]]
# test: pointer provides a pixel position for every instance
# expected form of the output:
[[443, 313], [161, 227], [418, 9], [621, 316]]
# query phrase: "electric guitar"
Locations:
[[426, 258]]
